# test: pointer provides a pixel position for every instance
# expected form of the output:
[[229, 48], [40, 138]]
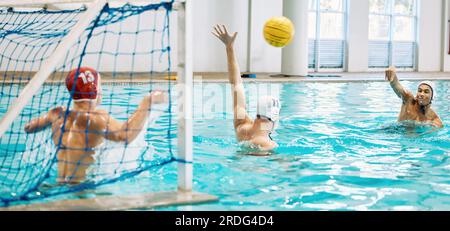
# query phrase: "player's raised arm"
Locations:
[[44, 121], [391, 76], [234, 75], [127, 131]]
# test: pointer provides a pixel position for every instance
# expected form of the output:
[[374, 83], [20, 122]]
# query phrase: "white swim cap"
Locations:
[[269, 107], [431, 85]]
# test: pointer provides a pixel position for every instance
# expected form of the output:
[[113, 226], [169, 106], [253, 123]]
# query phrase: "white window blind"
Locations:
[[326, 34], [392, 27]]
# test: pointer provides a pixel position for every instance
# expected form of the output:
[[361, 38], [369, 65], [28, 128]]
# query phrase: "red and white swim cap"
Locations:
[[87, 85]]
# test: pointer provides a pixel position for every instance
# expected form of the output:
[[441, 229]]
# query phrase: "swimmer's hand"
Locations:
[[158, 97], [391, 75], [34, 126], [28, 128], [221, 33]]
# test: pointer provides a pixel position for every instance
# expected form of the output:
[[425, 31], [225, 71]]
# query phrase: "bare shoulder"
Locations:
[[243, 126], [242, 119], [438, 123], [95, 119], [101, 112], [100, 116], [436, 120], [56, 112], [431, 114]]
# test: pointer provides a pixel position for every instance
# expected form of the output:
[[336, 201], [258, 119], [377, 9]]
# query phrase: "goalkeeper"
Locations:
[[79, 130]]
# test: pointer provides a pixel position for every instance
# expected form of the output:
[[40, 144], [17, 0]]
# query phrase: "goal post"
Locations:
[[185, 168]]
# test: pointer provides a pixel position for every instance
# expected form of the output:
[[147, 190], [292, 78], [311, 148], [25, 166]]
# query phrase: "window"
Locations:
[[392, 29], [326, 33]]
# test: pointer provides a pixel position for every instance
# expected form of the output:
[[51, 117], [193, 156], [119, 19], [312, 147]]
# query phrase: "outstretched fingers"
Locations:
[[218, 30], [225, 29], [215, 34], [221, 32]]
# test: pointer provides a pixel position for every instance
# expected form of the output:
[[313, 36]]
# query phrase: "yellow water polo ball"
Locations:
[[278, 31]]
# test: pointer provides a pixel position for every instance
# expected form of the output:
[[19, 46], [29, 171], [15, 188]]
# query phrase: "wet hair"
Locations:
[[264, 117]]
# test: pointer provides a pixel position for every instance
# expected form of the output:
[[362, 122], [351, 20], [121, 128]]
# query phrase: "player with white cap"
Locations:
[[415, 108], [255, 131]]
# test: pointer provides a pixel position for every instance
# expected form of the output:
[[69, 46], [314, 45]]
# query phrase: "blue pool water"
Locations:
[[340, 148]]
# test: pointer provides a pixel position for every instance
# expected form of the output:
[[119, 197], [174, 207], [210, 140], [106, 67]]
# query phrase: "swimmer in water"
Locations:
[[255, 132], [79, 130], [415, 108]]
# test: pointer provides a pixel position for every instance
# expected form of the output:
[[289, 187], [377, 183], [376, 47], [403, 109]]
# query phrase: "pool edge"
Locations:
[[139, 201]]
